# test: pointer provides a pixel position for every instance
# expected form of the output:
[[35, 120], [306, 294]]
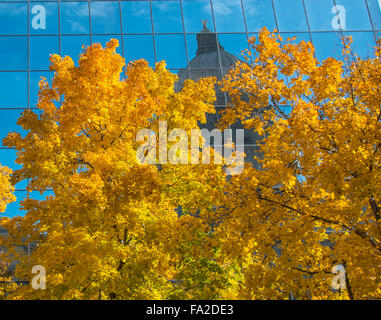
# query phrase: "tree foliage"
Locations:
[[314, 200], [110, 228]]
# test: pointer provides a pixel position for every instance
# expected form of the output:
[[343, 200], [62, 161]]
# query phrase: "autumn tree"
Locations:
[[6, 197], [6, 188], [109, 228], [314, 200]]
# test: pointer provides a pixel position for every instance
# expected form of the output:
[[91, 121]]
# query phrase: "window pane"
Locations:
[[139, 47], [74, 17], [171, 48], [228, 16], [196, 11], [327, 44], [136, 17], [354, 13], [13, 53], [375, 13], [320, 14], [13, 89], [363, 43], [13, 18], [234, 43], [44, 18], [259, 14], [167, 16], [40, 50], [73, 46], [105, 17], [290, 15]]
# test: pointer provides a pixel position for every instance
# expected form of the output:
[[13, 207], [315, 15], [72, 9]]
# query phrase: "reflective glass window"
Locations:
[[13, 89], [73, 46], [167, 16], [13, 53], [320, 15], [171, 48], [228, 16], [105, 17], [136, 17], [363, 43], [375, 13], [194, 13], [259, 14], [74, 17], [327, 44], [290, 15], [355, 15], [234, 43], [139, 47], [41, 47], [13, 18]]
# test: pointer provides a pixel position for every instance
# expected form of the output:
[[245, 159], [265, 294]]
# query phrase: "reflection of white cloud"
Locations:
[[224, 8], [163, 6], [251, 7], [77, 27], [103, 10], [12, 9], [139, 9], [74, 14]]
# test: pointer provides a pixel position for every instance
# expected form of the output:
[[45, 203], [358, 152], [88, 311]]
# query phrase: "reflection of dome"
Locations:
[[211, 61]]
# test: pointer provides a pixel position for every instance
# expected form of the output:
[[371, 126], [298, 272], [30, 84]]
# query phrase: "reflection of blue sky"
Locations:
[[357, 17], [224, 16], [194, 12], [13, 18], [136, 17], [290, 15], [13, 86], [139, 47], [228, 16], [167, 16], [40, 49], [75, 17], [100, 17], [375, 12], [13, 53], [259, 14]]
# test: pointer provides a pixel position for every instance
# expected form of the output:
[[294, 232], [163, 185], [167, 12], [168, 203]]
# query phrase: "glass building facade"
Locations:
[[157, 30]]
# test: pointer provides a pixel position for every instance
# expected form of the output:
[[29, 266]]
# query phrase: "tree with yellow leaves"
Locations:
[[314, 201], [6, 197], [110, 228], [6, 188]]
